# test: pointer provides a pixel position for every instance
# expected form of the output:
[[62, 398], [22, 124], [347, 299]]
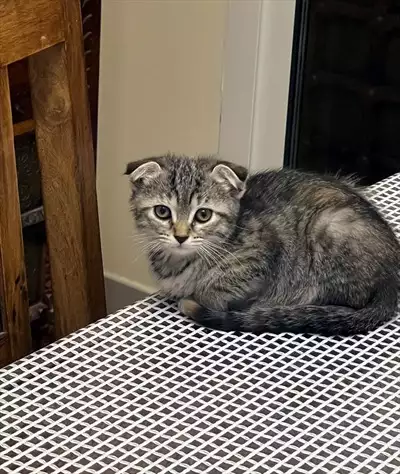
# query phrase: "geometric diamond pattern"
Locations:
[[146, 391]]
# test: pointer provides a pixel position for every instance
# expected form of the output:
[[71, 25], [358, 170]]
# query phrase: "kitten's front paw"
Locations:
[[188, 307]]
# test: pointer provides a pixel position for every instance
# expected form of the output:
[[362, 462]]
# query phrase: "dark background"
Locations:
[[344, 104]]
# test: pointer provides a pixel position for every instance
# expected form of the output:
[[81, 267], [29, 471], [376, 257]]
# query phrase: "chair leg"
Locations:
[[84, 150], [61, 187], [13, 283]]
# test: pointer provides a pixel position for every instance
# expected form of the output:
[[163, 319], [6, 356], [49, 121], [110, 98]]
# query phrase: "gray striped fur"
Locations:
[[285, 250]]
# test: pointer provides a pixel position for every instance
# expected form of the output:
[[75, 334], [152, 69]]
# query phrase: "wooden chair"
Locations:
[[48, 32]]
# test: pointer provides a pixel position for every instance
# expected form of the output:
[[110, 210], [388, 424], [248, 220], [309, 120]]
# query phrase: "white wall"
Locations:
[[160, 90]]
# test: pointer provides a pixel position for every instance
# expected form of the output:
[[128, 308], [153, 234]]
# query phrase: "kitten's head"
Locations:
[[184, 204]]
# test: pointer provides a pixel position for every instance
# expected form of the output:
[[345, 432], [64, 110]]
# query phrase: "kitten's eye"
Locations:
[[162, 212], [203, 215]]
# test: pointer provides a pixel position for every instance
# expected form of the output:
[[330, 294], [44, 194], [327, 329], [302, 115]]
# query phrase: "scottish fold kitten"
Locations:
[[277, 251]]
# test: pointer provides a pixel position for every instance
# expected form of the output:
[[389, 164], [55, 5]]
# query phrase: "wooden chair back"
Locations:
[[48, 32]]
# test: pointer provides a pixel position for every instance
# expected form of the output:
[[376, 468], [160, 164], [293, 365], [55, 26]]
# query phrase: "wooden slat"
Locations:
[[13, 285], [59, 162], [86, 161], [24, 127], [91, 23], [28, 27], [5, 357]]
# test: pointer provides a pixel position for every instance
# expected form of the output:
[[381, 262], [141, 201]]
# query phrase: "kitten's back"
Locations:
[[338, 271]]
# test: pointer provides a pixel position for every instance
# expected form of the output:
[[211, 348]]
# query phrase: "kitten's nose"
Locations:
[[181, 238]]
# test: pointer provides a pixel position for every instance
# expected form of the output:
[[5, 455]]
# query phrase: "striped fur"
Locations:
[[284, 250]]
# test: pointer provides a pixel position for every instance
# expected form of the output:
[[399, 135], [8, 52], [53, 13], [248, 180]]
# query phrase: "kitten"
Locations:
[[277, 251]]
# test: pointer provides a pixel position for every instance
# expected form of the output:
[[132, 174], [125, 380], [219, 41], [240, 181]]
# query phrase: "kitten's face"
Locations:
[[183, 205]]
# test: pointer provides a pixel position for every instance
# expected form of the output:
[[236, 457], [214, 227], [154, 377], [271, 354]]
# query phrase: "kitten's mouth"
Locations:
[[183, 249]]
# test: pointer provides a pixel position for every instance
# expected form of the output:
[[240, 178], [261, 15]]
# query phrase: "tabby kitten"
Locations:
[[277, 251]]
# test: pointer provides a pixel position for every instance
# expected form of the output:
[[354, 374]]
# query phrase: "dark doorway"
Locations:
[[344, 103]]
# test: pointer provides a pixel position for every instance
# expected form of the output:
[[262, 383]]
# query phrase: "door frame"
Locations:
[[255, 83]]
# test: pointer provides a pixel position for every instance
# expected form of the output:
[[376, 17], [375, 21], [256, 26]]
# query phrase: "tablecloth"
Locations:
[[146, 391]]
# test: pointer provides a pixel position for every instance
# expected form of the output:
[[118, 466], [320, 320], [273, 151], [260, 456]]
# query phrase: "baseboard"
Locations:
[[121, 292]]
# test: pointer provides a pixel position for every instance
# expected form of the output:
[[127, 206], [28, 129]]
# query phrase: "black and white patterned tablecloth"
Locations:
[[145, 391]]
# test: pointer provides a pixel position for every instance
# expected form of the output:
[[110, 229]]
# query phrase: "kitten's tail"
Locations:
[[324, 320]]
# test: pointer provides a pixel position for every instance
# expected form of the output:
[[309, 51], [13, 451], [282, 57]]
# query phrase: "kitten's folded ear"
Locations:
[[145, 169], [231, 176], [240, 171]]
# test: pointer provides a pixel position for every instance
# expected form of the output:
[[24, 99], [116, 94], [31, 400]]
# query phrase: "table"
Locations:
[[146, 391]]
